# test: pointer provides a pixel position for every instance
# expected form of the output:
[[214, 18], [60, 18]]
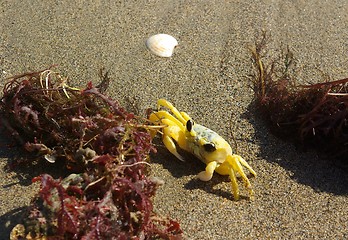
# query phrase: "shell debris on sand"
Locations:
[[161, 44]]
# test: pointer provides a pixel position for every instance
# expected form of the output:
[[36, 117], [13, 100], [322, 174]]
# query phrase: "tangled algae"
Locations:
[[315, 115], [108, 195]]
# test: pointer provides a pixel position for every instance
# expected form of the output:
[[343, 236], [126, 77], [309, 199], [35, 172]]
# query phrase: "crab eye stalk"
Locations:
[[189, 125], [209, 147]]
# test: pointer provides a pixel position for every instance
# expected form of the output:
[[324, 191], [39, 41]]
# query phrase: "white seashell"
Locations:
[[50, 158], [161, 44]]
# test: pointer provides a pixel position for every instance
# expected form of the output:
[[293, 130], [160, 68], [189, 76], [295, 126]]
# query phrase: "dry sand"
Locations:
[[297, 195]]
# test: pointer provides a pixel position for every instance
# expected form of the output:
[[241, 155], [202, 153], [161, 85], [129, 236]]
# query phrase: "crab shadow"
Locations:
[[308, 167], [192, 166], [176, 167], [214, 186]]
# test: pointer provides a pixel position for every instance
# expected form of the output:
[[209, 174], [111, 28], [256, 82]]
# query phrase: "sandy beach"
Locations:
[[298, 195]]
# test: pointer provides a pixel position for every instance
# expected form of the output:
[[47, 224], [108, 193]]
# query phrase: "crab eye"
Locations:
[[189, 125], [209, 147]]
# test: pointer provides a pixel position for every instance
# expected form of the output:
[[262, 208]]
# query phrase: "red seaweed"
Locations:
[[315, 115], [108, 195]]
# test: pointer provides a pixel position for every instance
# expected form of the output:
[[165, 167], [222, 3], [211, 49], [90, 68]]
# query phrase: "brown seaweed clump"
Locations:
[[108, 195], [314, 115]]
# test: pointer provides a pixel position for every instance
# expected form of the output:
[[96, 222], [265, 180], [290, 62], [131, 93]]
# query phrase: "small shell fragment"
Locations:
[[161, 44]]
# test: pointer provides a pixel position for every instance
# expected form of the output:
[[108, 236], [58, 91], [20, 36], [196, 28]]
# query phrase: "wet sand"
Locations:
[[298, 195]]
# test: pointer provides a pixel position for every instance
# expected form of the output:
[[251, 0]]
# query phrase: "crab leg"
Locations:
[[236, 163], [165, 103], [244, 163], [234, 183], [162, 115]]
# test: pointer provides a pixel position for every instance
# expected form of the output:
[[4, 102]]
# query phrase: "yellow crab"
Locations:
[[203, 142]]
